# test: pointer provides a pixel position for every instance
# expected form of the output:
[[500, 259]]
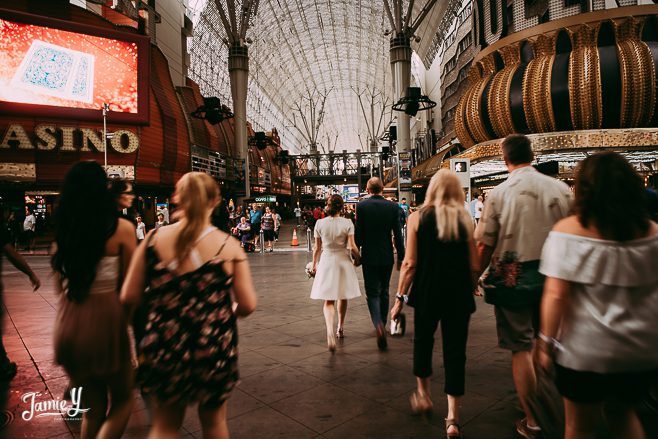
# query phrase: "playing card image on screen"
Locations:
[[47, 66]]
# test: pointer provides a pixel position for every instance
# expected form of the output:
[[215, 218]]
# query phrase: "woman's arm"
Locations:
[[356, 254], [243, 287], [134, 283], [17, 261], [127, 245], [316, 253], [408, 268], [553, 304], [409, 263]]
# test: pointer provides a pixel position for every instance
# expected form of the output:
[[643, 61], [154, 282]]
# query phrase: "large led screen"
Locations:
[[55, 65]]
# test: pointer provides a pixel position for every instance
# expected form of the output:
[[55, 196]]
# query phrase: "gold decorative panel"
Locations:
[[637, 69], [585, 97], [537, 100], [474, 101], [500, 112]]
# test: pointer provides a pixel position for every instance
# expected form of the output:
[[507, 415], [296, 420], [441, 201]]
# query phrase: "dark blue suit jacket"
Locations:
[[376, 219]]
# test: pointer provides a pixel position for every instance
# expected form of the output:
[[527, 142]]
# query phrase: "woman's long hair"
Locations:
[[610, 196], [85, 219], [196, 191], [446, 196]]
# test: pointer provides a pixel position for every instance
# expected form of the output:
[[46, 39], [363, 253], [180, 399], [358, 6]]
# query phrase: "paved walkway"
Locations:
[[291, 386]]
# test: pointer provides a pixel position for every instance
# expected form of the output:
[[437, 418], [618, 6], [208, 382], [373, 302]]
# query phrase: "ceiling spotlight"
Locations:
[[387, 32], [417, 39], [212, 110], [248, 40], [414, 102]]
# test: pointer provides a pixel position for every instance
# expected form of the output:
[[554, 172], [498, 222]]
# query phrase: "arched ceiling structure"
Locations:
[[308, 47]]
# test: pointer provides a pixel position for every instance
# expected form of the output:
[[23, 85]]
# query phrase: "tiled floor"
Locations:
[[291, 386]]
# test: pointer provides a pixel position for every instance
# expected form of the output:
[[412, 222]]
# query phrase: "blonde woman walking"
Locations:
[[437, 280], [193, 272]]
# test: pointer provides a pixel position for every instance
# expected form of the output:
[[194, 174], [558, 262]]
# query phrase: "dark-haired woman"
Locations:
[[600, 302], [91, 339], [335, 278]]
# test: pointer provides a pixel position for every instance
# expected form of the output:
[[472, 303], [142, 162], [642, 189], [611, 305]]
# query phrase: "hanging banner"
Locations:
[[404, 170]]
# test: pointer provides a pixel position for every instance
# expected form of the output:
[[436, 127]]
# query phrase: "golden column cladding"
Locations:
[[536, 88], [498, 103], [638, 71], [585, 78], [461, 129], [474, 102]]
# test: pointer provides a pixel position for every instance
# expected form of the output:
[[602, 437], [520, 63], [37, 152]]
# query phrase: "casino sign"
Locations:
[[50, 137]]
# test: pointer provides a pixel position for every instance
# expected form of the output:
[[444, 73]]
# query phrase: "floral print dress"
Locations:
[[189, 352]]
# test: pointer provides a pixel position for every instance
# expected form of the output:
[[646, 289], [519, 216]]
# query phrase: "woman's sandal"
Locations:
[[340, 334], [421, 404], [451, 423]]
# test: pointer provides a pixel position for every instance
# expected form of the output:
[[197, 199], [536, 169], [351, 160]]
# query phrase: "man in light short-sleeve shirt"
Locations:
[[517, 217]]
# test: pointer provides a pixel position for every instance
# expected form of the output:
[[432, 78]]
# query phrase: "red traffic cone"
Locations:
[[295, 241]]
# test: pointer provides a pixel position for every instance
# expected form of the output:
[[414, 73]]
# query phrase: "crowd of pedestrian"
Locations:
[[570, 276], [571, 280]]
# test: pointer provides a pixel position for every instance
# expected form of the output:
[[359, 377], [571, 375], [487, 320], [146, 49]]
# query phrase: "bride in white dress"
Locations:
[[335, 276]]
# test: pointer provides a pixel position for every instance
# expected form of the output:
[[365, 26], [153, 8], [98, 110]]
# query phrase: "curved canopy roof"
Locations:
[[304, 50]]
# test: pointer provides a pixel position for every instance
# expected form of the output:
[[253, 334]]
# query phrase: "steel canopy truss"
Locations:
[[301, 47]]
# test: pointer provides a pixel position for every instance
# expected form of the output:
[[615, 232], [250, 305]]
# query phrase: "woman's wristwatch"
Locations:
[[404, 298]]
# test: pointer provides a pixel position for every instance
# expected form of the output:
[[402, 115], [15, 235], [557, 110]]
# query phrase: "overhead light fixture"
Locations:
[[213, 111], [414, 102]]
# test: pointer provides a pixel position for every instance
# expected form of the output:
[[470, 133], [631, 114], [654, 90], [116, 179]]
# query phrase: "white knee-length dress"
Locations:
[[335, 277]]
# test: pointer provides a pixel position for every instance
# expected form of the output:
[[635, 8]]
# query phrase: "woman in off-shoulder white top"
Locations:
[[599, 312]]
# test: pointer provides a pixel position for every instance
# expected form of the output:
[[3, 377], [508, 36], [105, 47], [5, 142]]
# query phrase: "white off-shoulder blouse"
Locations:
[[610, 322]]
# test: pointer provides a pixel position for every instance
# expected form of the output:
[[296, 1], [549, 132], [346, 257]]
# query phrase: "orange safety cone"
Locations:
[[295, 241]]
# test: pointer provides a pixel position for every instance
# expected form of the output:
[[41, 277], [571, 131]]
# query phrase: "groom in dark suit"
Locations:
[[376, 219]]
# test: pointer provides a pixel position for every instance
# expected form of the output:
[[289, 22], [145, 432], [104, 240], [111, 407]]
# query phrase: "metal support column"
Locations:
[[401, 69], [238, 67]]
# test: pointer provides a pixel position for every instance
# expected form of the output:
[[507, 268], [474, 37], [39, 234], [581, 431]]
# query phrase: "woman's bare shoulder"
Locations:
[[230, 247], [570, 225]]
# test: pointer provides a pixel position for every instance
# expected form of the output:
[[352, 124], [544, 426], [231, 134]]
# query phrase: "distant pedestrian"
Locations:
[[516, 220], [255, 219], [377, 219], [244, 231], [267, 224], [195, 281], [479, 208], [141, 229], [29, 229], [298, 215], [277, 224], [91, 331], [437, 280], [161, 221], [13, 229]]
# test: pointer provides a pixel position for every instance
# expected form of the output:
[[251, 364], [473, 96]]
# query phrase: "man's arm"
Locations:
[[358, 231], [18, 262], [484, 254]]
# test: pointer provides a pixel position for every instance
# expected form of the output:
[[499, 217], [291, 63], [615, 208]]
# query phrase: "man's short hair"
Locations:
[[517, 149], [404, 199], [375, 185]]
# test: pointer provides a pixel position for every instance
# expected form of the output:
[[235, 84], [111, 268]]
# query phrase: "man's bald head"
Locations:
[[375, 186]]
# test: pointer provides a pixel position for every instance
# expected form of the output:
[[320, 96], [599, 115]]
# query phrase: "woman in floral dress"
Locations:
[[194, 280]]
